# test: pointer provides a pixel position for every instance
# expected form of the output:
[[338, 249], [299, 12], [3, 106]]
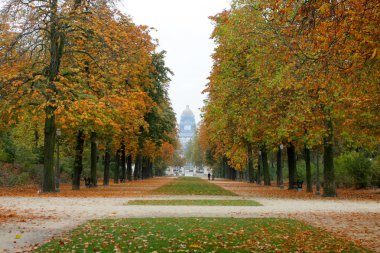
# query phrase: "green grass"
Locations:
[[195, 202], [198, 235], [192, 186]]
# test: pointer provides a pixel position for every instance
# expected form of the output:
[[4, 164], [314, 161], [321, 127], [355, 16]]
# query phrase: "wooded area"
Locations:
[[294, 77], [79, 72]]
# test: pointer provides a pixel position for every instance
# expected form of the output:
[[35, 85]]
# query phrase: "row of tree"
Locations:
[[87, 69], [303, 75]]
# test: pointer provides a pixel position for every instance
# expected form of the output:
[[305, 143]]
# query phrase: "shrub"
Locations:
[[354, 170], [20, 179], [375, 176]]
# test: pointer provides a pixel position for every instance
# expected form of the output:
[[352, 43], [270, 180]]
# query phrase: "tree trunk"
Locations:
[[223, 171], [107, 161], [123, 164], [78, 164], [309, 184], [58, 169], [94, 159], [148, 168], [49, 147], [280, 179], [250, 163], [55, 50], [143, 168], [233, 174], [135, 176], [258, 180], [151, 169], [264, 156], [129, 168], [225, 167], [292, 165], [329, 186], [117, 167], [318, 182], [138, 167]]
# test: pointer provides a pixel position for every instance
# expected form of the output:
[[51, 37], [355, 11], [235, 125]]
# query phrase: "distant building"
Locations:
[[187, 127]]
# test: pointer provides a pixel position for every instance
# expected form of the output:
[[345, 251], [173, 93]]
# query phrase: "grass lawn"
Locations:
[[192, 186], [195, 202], [198, 235]]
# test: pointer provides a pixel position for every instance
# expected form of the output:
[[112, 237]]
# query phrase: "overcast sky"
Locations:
[[183, 30]]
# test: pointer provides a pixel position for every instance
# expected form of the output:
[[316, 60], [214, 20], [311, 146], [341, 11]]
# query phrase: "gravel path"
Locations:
[[56, 215]]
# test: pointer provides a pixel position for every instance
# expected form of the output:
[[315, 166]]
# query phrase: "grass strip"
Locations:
[[199, 235], [194, 202], [192, 186]]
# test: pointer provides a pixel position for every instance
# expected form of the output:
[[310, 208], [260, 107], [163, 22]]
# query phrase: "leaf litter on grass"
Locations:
[[199, 235]]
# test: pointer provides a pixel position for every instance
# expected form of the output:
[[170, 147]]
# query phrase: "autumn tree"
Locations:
[[161, 118], [284, 73], [90, 69]]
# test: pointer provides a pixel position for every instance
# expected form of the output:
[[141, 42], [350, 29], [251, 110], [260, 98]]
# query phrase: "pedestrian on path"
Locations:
[[209, 176]]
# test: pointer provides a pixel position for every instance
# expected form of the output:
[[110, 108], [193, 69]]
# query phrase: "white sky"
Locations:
[[183, 30]]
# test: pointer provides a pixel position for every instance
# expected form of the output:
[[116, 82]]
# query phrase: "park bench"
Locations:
[[299, 185], [87, 181]]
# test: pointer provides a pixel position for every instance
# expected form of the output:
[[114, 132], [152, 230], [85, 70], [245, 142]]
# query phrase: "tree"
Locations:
[[100, 80], [284, 73]]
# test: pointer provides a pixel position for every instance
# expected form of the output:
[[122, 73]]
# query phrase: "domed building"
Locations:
[[187, 127]]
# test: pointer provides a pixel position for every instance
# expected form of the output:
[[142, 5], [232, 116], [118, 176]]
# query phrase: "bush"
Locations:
[[20, 179], [35, 172], [7, 148], [354, 170], [14, 175], [375, 177]]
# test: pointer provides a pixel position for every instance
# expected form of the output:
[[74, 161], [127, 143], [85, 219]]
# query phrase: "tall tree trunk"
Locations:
[[309, 184], [280, 179], [123, 163], [117, 167], [329, 186], [225, 167], [250, 163], [143, 168], [135, 171], [318, 182], [151, 169], [138, 167], [233, 173], [78, 164], [48, 184], [94, 159], [259, 169], [55, 50], [107, 162], [129, 168], [292, 165], [264, 156], [58, 169], [223, 170]]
